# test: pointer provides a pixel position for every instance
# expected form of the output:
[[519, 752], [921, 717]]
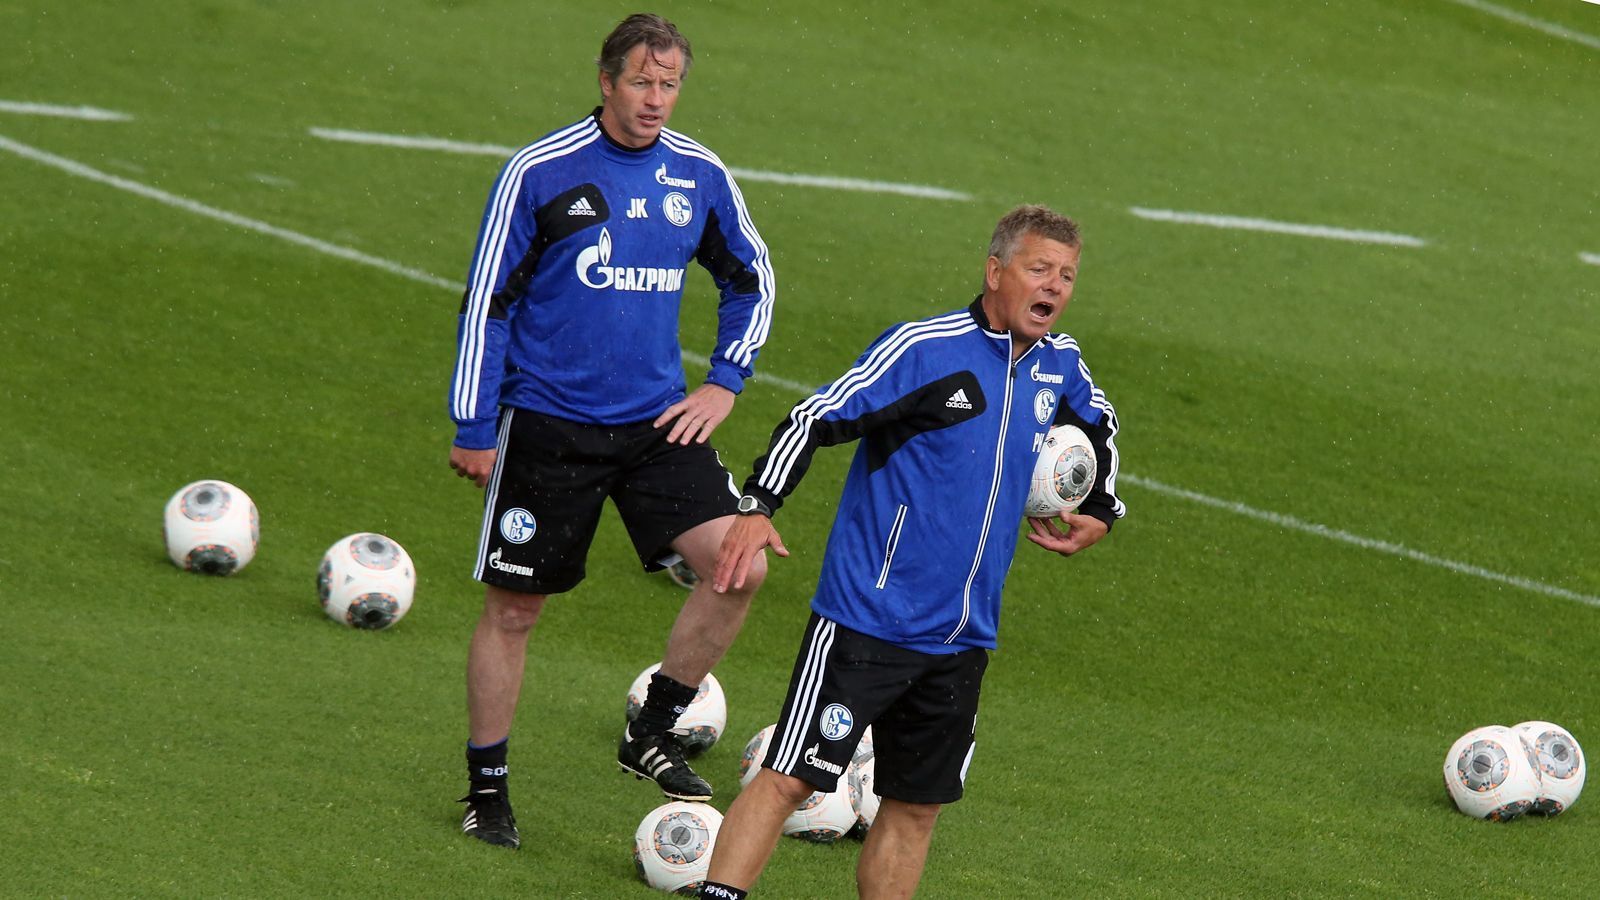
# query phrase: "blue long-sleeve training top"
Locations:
[[571, 306], [949, 429]]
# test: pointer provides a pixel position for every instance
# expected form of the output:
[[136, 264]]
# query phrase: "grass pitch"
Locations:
[[1214, 701]]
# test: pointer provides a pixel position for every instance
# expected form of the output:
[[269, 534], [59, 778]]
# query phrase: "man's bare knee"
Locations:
[[920, 815], [510, 611], [790, 789], [752, 581], [758, 573]]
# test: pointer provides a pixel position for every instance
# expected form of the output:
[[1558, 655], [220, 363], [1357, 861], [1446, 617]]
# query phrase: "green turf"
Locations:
[[1206, 704]]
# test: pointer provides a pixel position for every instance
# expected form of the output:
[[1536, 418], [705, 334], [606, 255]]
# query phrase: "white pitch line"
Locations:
[[88, 113], [1550, 28], [851, 184], [410, 142], [818, 181], [798, 387], [75, 168], [211, 212], [1334, 534], [1247, 224], [1592, 259], [294, 237]]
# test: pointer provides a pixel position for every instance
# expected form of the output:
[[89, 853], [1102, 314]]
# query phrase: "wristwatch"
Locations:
[[749, 506]]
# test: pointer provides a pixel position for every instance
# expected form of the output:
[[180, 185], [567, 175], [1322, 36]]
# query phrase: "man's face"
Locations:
[[640, 100], [1026, 295]]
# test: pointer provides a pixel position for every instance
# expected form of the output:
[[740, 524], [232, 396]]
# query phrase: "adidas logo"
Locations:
[[581, 208], [959, 400]]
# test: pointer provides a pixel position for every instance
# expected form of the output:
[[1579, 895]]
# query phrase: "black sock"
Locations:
[[665, 700], [718, 891], [486, 766]]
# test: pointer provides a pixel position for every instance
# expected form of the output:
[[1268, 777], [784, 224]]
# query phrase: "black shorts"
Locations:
[[551, 477], [923, 709]]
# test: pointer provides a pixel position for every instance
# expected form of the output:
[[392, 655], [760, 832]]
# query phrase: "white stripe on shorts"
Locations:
[[492, 493], [805, 697]]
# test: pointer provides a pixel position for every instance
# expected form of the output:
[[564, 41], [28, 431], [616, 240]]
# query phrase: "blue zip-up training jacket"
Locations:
[[571, 306], [949, 429]]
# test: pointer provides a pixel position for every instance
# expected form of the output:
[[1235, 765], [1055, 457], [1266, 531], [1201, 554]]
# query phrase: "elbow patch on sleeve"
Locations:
[[724, 266], [951, 400]]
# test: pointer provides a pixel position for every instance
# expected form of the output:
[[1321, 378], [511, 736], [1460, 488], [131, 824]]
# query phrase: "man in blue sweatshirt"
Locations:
[[569, 388], [950, 413]]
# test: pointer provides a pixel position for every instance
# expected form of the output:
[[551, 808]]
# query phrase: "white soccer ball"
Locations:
[[672, 846], [859, 779], [702, 722], [211, 527], [1561, 767], [1491, 773], [1063, 473], [755, 753], [366, 581], [822, 818]]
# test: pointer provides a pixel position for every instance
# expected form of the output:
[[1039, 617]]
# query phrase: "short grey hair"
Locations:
[[655, 32], [1031, 219]]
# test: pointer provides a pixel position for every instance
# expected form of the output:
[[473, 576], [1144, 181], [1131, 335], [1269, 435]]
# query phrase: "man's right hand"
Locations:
[[474, 464]]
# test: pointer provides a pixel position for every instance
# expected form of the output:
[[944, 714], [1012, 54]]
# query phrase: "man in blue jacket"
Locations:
[[569, 388], [950, 413]]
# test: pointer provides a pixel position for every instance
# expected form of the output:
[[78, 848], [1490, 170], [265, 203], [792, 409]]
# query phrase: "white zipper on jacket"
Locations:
[[894, 541], [994, 492]]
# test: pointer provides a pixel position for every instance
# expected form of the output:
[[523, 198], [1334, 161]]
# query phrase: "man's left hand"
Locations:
[[1082, 532], [694, 417], [744, 541]]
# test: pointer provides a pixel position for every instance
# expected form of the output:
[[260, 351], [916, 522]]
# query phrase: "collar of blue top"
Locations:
[[615, 144]]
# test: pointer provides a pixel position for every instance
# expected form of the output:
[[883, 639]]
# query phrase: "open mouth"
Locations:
[[1042, 310]]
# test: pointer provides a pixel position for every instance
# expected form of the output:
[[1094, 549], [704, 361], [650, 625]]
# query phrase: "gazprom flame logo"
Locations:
[[599, 254], [596, 271]]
